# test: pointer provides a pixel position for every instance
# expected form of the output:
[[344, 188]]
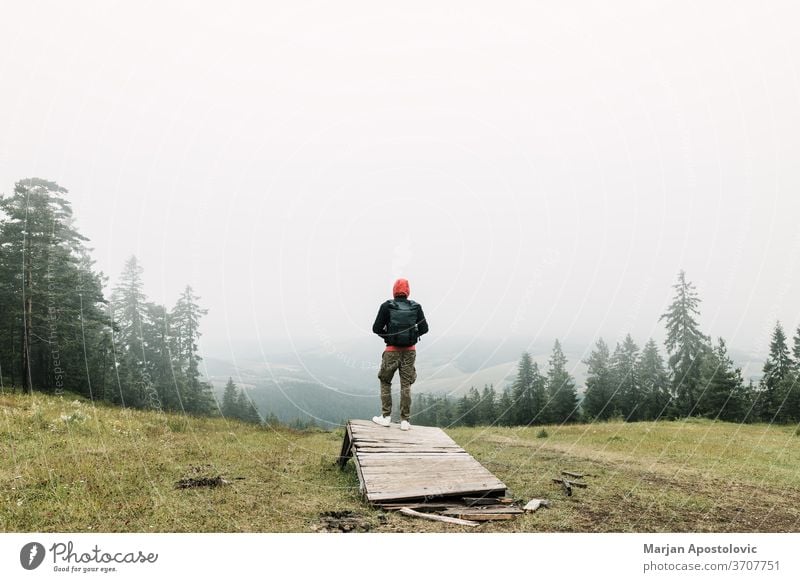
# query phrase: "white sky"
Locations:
[[542, 169]]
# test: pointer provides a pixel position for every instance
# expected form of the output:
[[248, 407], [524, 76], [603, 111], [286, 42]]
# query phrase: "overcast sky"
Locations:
[[536, 169]]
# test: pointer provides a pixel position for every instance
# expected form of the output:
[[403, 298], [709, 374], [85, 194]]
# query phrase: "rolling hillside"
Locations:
[[73, 466]]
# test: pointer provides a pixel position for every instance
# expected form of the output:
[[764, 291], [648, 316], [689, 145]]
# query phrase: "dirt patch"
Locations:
[[344, 522], [191, 482], [199, 479]]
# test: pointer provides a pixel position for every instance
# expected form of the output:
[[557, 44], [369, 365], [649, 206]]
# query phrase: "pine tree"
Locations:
[[789, 389], [521, 390], [52, 318], [185, 319], [789, 395], [129, 310], [796, 350], [598, 400], [654, 382], [562, 405], [624, 366], [230, 404], [487, 413], [723, 396], [505, 408], [685, 343], [776, 369], [444, 412], [247, 411]]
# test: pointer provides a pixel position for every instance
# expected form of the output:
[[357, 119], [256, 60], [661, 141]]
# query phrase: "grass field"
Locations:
[[68, 465]]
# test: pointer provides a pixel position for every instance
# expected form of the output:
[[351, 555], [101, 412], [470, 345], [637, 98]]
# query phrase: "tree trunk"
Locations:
[[26, 347]]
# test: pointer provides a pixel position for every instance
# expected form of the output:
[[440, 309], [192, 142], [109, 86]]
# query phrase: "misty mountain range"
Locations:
[[337, 381]]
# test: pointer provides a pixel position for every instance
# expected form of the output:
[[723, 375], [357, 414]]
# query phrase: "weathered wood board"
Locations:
[[419, 464]]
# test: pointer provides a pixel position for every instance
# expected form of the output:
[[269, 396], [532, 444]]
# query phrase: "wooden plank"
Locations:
[[402, 464], [375, 476], [362, 484], [347, 447], [484, 516], [477, 501], [433, 481], [423, 463], [450, 480], [419, 493], [452, 476], [415, 455], [496, 510], [434, 517]]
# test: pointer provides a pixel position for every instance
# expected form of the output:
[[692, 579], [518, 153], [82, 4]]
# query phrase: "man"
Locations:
[[400, 322]]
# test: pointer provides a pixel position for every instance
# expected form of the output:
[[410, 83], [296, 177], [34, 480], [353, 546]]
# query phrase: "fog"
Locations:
[[535, 171]]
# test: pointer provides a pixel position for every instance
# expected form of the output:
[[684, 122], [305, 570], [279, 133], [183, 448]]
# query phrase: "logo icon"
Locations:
[[31, 555]]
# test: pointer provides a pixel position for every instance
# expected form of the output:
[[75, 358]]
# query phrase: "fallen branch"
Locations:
[[572, 483], [433, 517], [568, 485], [574, 475]]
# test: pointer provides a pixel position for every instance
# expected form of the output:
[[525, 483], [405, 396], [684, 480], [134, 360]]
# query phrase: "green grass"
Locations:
[[68, 465]]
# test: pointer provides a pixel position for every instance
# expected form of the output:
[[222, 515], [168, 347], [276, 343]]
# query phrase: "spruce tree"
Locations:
[[505, 408], [776, 368], [598, 400], [129, 311], [230, 404], [686, 345], [624, 365], [468, 408], [654, 382], [789, 395], [796, 350], [723, 396], [487, 413], [527, 392], [562, 397], [789, 389], [247, 411], [52, 316], [185, 319]]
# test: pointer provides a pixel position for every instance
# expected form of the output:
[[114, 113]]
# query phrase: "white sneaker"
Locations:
[[382, 420], [405, 425]]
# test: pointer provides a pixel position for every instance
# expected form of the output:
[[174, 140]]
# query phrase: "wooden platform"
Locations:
[[416, 465]]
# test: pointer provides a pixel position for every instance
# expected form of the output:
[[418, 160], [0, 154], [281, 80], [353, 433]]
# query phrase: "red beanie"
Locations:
[[401, 288]]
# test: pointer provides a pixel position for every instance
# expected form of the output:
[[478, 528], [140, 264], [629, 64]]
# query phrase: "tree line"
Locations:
[[59, 331], [698, 379]]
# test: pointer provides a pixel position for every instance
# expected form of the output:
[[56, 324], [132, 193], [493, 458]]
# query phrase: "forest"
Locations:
[[60, 330], [698, 379]]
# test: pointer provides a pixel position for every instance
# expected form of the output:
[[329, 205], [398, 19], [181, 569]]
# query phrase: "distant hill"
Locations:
[[338, 381]]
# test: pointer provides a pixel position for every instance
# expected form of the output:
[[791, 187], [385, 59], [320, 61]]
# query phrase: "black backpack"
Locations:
[[402, 328]]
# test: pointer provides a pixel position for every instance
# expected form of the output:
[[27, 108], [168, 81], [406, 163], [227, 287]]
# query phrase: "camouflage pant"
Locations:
[[390, 363]]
